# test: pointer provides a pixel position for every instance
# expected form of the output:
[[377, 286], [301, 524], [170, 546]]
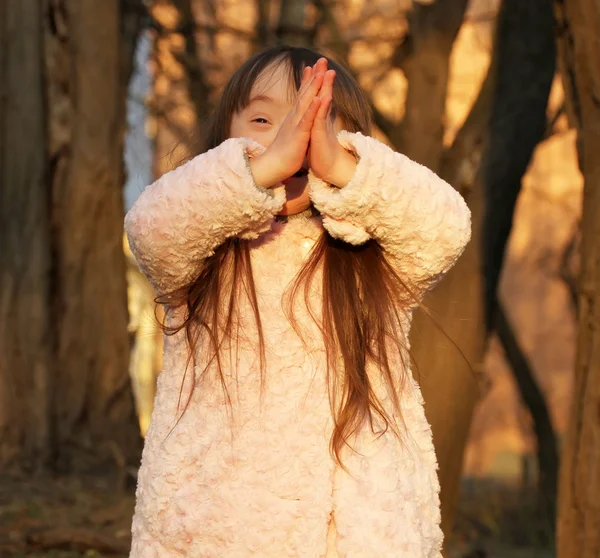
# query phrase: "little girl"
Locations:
[[289, 257]]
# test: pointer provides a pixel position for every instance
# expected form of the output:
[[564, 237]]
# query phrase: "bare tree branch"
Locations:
[[525, 66], [534, 400]]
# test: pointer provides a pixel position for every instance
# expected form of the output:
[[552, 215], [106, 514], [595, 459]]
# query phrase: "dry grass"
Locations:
[[498, 519], [63, 517], [69, 517]]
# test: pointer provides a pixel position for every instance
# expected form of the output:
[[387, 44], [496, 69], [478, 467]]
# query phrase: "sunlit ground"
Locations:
[[68, 518]]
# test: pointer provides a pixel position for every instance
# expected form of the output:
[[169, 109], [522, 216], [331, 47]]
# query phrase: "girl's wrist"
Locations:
[[344, 170], [263, 171]]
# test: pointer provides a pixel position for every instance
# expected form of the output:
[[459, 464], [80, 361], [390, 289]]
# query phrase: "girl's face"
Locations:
[[272, 97]]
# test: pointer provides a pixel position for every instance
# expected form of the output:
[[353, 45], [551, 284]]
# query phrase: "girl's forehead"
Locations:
[[277, 82]]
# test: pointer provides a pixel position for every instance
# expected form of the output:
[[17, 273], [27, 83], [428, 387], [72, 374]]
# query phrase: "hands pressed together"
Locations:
[[307, 133]]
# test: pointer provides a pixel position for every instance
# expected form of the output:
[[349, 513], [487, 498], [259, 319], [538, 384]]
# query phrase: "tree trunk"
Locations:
[[262, 29], [64, 316], [525, 58], [525, 68], [448, 349], [533, 398], [180, 102], [579, 514], [26, 323], [424, 56], [291, 29]]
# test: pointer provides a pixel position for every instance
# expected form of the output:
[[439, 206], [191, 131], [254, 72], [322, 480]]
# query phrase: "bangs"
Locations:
[[265, 66]]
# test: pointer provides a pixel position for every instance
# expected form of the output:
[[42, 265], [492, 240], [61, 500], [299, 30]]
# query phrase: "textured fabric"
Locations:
[[256, 478]]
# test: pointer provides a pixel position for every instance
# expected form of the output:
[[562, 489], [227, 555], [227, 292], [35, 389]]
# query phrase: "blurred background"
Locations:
[[499, 97]]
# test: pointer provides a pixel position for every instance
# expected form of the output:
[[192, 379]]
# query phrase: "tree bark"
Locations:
[[533, 398], [424, 56], [178, 52], [448, 350], [579, 515], [181, 101], [26, 322], [525, 68], [65, 370], [94, 405], [291, 29]]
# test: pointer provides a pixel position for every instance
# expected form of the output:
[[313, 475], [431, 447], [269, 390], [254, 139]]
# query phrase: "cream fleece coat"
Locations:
[[259, 481]]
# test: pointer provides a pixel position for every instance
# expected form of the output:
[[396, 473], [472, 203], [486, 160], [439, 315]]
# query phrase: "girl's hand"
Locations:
[[328, 160], [286, 155]]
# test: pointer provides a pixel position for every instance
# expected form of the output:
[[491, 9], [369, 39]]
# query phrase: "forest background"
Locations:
[[501, 98]]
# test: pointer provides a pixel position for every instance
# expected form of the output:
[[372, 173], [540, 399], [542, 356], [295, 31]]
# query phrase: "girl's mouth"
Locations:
[[302, 173]]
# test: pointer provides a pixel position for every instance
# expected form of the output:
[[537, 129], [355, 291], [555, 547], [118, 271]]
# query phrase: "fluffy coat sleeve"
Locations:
[[420, 221], [179, 220]]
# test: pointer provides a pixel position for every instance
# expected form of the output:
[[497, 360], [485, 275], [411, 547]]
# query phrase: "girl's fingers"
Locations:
[[308, 117], [311, 91], [312, 82], [321, 65], [308, 88], [319, 68], [306, 75], [327, 86], [299, 107], [323, 111]]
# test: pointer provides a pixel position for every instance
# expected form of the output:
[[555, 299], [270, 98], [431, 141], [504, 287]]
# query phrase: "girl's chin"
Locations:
[[295, 206], [295, 186], [296, 192]]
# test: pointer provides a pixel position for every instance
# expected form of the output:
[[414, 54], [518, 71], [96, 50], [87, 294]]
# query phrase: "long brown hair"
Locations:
[[362, 294]]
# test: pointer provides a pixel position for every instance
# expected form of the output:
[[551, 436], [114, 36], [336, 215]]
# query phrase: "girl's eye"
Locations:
[[260, 120]]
